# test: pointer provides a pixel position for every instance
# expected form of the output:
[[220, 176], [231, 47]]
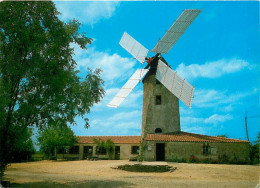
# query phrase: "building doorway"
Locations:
[[87, 152], [117, 152], [160, 152]]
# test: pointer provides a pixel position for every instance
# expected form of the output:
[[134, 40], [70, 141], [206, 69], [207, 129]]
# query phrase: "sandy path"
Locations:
[[100, 174]]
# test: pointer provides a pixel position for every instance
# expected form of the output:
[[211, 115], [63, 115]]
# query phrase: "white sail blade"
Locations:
[[174, 83], [128, 87], [175, 31], [133, 47]]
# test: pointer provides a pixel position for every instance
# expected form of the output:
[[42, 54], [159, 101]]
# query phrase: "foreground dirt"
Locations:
[[100, 174]]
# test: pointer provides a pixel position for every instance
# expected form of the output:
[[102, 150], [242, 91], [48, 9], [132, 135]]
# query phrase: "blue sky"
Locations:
[[218, 54]]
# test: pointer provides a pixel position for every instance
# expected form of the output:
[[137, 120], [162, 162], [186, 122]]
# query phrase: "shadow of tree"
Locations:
[[89, 184]]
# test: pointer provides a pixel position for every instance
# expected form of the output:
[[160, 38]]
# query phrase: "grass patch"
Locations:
[[146, 168]]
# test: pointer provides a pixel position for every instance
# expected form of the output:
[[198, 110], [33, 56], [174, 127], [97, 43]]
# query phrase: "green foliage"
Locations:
[[223, 158], [23, 145], [100, 146], [54, 138], [108, 147], [254, 149], [193, 159], [140, 157], [39, 83]]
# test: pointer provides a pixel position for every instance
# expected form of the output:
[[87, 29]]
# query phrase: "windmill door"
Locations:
[[160, 152]]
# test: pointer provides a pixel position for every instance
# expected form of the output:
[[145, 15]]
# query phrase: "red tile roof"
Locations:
[[189, 137], [115, 139]]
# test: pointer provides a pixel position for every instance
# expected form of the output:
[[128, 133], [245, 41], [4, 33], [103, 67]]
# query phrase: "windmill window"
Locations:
[[158, 100], [158, 130]]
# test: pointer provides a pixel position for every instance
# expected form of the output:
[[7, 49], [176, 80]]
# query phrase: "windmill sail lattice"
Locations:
[[128, 87], [175, 31], [169, 78], [174, 83], [133, 47]]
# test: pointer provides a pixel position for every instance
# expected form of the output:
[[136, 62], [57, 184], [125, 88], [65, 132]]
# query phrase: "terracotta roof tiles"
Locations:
[[115, 139], [169, 137], [189, 137]]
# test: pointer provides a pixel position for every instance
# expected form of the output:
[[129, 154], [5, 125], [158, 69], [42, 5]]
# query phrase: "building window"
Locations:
[[158, 100], [135, 150], [206, 149], [101, 150], [158, 130], [74, 150]]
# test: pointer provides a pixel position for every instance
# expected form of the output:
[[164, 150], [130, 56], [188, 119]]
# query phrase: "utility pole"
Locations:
[[246, 127]]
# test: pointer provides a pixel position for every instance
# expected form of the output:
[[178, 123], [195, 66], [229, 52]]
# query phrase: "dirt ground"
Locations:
[[100, 174]]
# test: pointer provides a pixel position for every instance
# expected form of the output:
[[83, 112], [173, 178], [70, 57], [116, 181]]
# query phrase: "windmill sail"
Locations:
[[175, 31], [174, 83], [128, 87], [133, 47]]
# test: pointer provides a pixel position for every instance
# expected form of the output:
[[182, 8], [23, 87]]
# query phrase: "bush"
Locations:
[[223, 159], [53, 158], [256, 161], [193, 159], [206, 160]]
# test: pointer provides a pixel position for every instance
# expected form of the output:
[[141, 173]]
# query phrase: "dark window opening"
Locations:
[[206, 149], [158, 100], [158, 130], [88, 150], [135, 150], [101, 151], [74, 150]]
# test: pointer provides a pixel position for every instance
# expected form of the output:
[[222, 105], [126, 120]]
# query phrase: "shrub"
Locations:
[[193, 159], [223, 159]]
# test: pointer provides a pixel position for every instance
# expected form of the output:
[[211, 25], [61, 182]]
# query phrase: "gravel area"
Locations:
[[100, 174]]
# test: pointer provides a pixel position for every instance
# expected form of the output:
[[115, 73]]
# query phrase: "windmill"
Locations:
[[177, 86]]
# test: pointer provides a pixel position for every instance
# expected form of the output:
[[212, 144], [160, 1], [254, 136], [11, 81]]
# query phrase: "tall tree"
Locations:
[[55, 137], [39, 84], [23, 144]]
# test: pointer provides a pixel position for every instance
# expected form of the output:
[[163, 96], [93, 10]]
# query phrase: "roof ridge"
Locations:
[[191, 137], [217, 137]]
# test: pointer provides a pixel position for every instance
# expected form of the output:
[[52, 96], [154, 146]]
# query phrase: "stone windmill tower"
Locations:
[[160, 106], [162, 86]]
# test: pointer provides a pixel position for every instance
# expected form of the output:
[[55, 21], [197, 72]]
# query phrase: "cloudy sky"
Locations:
[[218, 54]]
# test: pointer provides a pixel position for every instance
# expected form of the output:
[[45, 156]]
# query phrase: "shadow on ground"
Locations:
[[89, 184]]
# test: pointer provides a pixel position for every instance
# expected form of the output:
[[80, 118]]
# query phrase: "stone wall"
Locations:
[[125, 152], [181, 150]]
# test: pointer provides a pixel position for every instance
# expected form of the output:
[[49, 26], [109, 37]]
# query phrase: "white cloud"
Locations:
[[212, 69], [203, 125], [114, 66], [216, 118], [121, 123], [87, 12], [125, 116], [213, 119], [210, 98]]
